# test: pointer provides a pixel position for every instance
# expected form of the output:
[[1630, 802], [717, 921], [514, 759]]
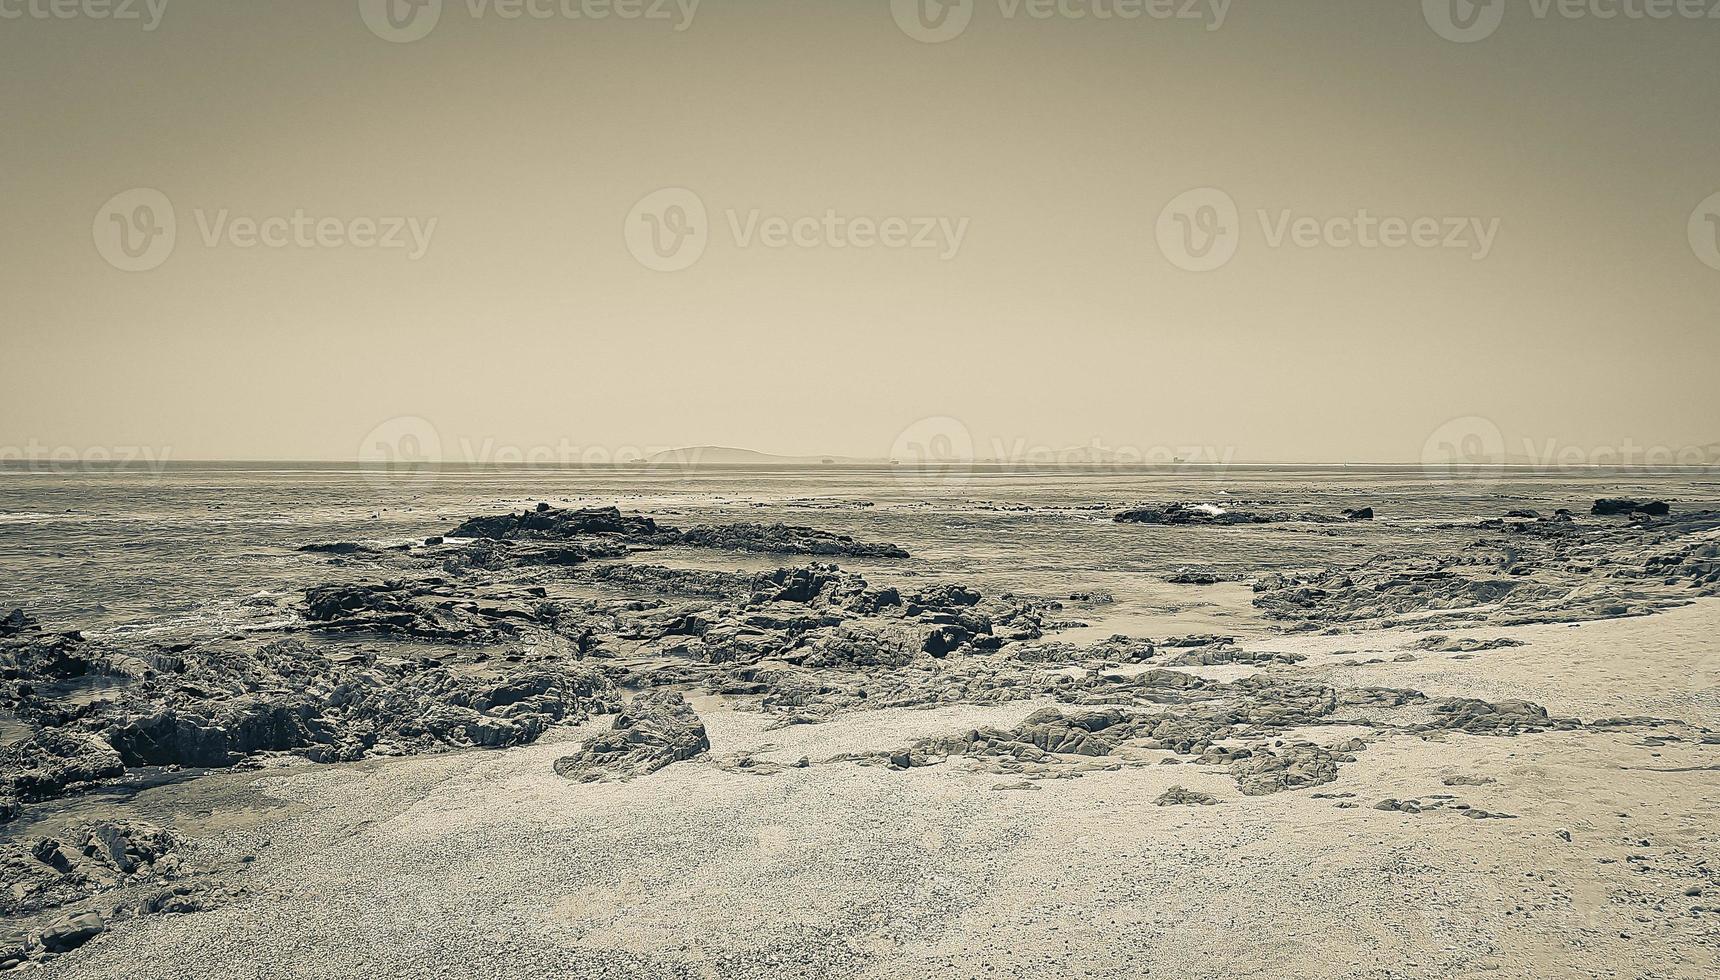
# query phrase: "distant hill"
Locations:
[[729, 456]]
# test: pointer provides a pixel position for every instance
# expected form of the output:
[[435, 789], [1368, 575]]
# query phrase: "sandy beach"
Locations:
[[490, 865]]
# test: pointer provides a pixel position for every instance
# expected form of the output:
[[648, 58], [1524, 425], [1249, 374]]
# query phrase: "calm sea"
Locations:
[[137, 552]]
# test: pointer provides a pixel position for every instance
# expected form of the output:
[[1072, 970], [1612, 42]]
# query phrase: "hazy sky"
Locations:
[[1576, 307]]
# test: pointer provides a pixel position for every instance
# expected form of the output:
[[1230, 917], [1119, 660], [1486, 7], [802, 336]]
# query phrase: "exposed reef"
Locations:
[[547, 522]]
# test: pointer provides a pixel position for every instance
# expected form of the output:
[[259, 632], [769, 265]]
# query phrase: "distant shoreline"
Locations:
[[45, 465]]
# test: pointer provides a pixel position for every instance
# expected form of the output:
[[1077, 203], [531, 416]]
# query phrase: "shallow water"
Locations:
[[140, 553]]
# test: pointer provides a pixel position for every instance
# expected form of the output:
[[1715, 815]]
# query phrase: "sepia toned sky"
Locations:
[[1011, 272]]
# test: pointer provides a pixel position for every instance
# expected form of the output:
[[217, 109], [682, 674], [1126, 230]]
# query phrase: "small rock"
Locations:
[[1181, 796]]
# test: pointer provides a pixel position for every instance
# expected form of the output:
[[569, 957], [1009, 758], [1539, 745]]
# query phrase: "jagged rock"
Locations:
[[1505, 717], [1447, 644], [1185, 514], [49, 762], [1090, 733], [423, 610], [550, 522], [1619, 507], [1200, 640], [1222, 656], [1181, 796], [57, 892], [213, 735], [1330, 597], [1193, 577], [216, 705], [1180, 515], [1360, 514], [1435, 804], [853, 647], [784, 539], [943, 597], [657, 580], [16, 622], [1265, 770], [340, 548], [655, 731], [1123, 650]]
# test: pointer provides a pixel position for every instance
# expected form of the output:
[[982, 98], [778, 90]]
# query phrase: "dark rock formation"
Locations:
[[15, 622], [655, 731], [51, 762], [784, 539], [1447, 644], [1503, 718], [1196, 577], [1273, 770], [1186, 514], [1616, 508], [216, 704], [550, 522], [1207, 515], [343, 548], [58, 892], [426, 610]]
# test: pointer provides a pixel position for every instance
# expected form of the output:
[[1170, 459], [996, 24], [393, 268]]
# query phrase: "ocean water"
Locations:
[[131, 551]]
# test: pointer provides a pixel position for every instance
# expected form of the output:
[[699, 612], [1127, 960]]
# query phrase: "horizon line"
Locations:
[[832, 462]]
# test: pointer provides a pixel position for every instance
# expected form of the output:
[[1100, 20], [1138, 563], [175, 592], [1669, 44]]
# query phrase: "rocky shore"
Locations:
[[506, 630]]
